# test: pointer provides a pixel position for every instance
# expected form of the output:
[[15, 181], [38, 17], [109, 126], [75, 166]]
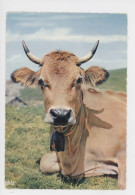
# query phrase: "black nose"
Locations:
[[60, 116]]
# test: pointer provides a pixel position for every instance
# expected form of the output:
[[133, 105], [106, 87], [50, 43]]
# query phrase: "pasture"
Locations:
[[27, 138]]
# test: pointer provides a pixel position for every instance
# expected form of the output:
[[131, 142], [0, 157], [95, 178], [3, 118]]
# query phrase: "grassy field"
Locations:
[[27, 139]]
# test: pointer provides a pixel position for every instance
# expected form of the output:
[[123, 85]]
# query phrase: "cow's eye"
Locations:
[[76, 82], [79, 80], [42, 84]]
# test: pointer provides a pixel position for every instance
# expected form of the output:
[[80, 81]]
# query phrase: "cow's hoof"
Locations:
[[121, 187]]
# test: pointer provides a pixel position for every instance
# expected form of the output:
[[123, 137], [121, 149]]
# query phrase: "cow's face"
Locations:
[[62, 82]]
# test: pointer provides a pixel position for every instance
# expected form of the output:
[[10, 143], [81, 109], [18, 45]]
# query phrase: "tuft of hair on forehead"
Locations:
[[60, 55]]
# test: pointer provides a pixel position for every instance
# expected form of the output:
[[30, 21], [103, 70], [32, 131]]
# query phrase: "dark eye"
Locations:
[[42, 84], [76, 82], [79, 80]]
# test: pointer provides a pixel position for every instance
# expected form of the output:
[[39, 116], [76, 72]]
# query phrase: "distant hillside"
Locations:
[[116, 81], [28, 94]]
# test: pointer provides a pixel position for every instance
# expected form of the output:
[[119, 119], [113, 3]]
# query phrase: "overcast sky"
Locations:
[[76, 33]]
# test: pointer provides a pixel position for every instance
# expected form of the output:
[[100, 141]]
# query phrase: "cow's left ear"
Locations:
[[95, 76]]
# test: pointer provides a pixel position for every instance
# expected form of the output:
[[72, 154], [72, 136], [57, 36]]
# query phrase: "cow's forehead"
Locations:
[[60, 55], [59, 65]]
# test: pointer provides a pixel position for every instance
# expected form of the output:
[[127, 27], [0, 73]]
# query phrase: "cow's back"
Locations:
[[95, 99]]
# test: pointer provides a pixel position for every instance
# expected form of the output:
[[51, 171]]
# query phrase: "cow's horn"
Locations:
[[88, 56], [31, 56]]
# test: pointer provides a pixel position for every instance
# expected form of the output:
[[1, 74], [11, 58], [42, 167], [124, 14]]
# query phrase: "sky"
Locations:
[[73, 32]]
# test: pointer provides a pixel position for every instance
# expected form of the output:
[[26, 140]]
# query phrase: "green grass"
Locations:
[[28, 94], [27, 140], [116, 81]]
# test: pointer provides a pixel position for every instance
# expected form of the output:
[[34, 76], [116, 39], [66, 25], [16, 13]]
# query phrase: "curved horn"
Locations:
[[31, 56], [88, 56]]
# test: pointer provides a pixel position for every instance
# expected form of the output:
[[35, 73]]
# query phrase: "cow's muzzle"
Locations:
[[60, 117]]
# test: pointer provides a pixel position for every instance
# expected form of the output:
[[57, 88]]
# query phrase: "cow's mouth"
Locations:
[[63, 125], [60, 124]]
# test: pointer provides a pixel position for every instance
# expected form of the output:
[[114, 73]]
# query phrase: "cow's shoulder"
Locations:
[[113, 103]]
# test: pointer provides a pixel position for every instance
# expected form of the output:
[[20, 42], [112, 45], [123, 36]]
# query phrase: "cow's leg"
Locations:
[[49, 163], [122, 174], [98, 169]]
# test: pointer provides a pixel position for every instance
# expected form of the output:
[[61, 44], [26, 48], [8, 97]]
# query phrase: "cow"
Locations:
[[88, 125]]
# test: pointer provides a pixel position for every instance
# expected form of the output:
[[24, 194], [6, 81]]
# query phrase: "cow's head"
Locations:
[[62, 82]]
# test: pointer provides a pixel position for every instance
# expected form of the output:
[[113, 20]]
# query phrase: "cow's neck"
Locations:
[[70, 157], [71, 131]]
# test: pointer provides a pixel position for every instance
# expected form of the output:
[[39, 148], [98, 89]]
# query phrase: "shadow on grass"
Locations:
[[78, 181], [111, 176], [70, 180]]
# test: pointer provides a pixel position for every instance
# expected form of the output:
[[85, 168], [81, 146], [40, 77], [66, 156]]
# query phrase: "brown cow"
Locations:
[[92, 123]]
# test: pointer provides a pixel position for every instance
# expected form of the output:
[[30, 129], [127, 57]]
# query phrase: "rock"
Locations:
[[13, 93], [17, 102]]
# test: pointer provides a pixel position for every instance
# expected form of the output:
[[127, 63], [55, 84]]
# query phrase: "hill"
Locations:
[[116, 81]]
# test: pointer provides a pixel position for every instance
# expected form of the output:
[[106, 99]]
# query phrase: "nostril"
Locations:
[[53, 113], [68, 114]]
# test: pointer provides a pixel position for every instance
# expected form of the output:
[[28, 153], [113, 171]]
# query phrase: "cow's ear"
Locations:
[[26, 77], [95, 76]]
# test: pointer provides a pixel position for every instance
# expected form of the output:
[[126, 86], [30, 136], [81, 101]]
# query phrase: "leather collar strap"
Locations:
[[68, 130]]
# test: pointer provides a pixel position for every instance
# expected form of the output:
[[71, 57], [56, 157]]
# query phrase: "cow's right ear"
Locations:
[[26, 77]]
